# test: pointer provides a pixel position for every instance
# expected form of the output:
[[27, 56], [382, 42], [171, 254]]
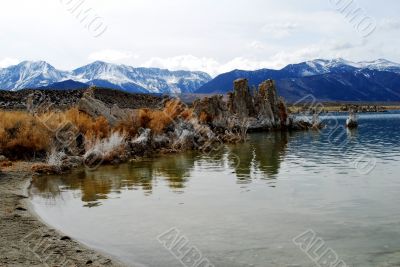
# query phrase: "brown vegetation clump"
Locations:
[[204, 117], [21, 132], [88, 126], [158, 120], [129, 126]]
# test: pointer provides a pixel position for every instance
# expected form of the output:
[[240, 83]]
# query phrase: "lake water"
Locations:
[[243, 204]]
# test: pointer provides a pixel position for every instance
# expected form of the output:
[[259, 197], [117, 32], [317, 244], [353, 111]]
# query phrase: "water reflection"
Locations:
[[278, 184], [259, 158]]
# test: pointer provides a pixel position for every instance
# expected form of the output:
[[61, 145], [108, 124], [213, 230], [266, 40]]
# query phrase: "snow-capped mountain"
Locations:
[[318, 66], [380, 64], [151, 80], [339, 65], [29, 74], [318, 73], [144, 80], [333, 80]]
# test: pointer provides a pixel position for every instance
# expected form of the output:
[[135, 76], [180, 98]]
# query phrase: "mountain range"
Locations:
[[40, 74], [326, 80]]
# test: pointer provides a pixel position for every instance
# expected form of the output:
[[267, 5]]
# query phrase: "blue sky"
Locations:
[[209, 35]]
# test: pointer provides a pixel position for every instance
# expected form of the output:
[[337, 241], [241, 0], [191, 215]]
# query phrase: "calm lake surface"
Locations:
[[243, 204]]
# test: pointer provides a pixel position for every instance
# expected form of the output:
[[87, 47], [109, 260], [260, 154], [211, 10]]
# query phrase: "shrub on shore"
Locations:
[[69, 138], [25, 135], [158, 120], [22, 134]]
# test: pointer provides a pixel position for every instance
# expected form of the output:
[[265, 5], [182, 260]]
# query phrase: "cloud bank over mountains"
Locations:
[[210, 36]]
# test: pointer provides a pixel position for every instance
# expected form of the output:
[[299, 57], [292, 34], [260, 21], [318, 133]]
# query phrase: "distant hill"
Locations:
[[65, 85], [326, 80]]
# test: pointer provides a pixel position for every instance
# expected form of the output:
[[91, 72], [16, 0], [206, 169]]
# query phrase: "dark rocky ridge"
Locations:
[[62, 99]]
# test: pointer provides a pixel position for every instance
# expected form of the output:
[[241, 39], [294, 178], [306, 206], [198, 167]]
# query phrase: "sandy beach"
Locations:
[[25, 240]]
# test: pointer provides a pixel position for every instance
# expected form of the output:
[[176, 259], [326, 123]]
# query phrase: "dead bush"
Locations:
[[21, 132], [129, 126], [23, 135], [158, 120]]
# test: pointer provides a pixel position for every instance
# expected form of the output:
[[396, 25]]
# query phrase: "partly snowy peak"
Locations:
[[380, 64], [318, 66], [34, 74], [29, 74], [339, 65], [153, 80], [335, 79], [99, 70]]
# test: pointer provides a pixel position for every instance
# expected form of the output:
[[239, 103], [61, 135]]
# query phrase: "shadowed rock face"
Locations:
[[262, 103], [241, 100], [94, 107], [211, 108], [261, 109]]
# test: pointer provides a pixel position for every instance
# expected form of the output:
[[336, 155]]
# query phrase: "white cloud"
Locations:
[[257, 45], [277, 59], [6, 62], [279, 30], [111, 55], [389, 24], [244, 64], [261, 34], [184, 62], [209, 65]]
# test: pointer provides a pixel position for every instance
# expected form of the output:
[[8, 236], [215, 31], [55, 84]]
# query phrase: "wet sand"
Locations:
[[27, 241]]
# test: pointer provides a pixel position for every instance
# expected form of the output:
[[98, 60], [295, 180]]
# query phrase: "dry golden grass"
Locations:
[[158, 120], [129, 126], [88, 126], [20, 132], [204, 117], [23, 134]]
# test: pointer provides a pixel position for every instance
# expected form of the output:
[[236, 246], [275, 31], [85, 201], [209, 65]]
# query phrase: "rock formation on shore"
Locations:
[[96, 129], [95, 108], [257, 110]]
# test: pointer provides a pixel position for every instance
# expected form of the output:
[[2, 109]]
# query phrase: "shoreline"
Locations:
[[26, 240], [22, 229], [98, 131]]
